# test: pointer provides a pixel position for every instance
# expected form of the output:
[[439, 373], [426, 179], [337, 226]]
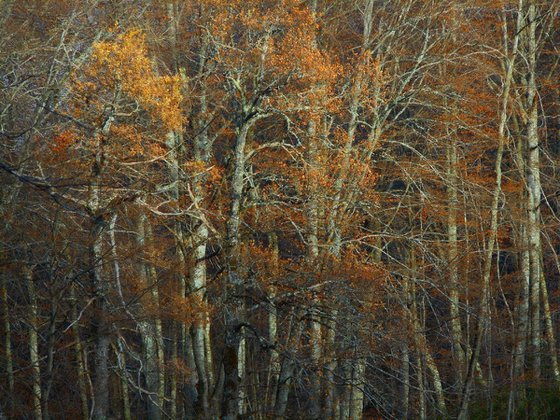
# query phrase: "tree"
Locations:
[[279, 208]]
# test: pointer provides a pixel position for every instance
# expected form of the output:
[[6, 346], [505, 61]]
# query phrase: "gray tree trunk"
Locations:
[[34, 356], [534, 187], [233, 359], [7, 342], [78, 348], [288, 367]]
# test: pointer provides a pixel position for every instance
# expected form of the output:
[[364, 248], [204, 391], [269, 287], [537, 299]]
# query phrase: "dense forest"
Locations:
[[315, 209]]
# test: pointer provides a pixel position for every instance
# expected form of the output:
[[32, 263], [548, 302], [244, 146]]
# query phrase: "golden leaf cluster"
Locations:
[[121, 75]]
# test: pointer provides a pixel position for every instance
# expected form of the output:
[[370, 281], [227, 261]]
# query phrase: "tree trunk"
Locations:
[[421, 389], [8, 343], [550, 336], [34, 346], [121, 361], [329, 388], [78, 348], [49, 374], [534, 189], [357, 389], [100, 284], [288, 366], [522, 312], [423, 349], [200, 335], [274, 359], [453, 254], [102, 339], [235, 286], [173, 375], [147, 327], [157, 324], [312, 254]]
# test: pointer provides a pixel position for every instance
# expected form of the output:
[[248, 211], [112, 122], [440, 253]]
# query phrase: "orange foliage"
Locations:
[[122, 68]]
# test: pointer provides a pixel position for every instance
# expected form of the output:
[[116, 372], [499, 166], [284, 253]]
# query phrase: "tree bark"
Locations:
[[234, 308], [34, 356], [274, 358], [534, 188], [288, 366], [121, 361], [148, 328], [79, 351], [329, 386], [102, 341], [357, 389], [8, 343], [453, 255]]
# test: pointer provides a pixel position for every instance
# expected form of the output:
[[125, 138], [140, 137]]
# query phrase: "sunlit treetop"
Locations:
[[121, 75], [274, 44]]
